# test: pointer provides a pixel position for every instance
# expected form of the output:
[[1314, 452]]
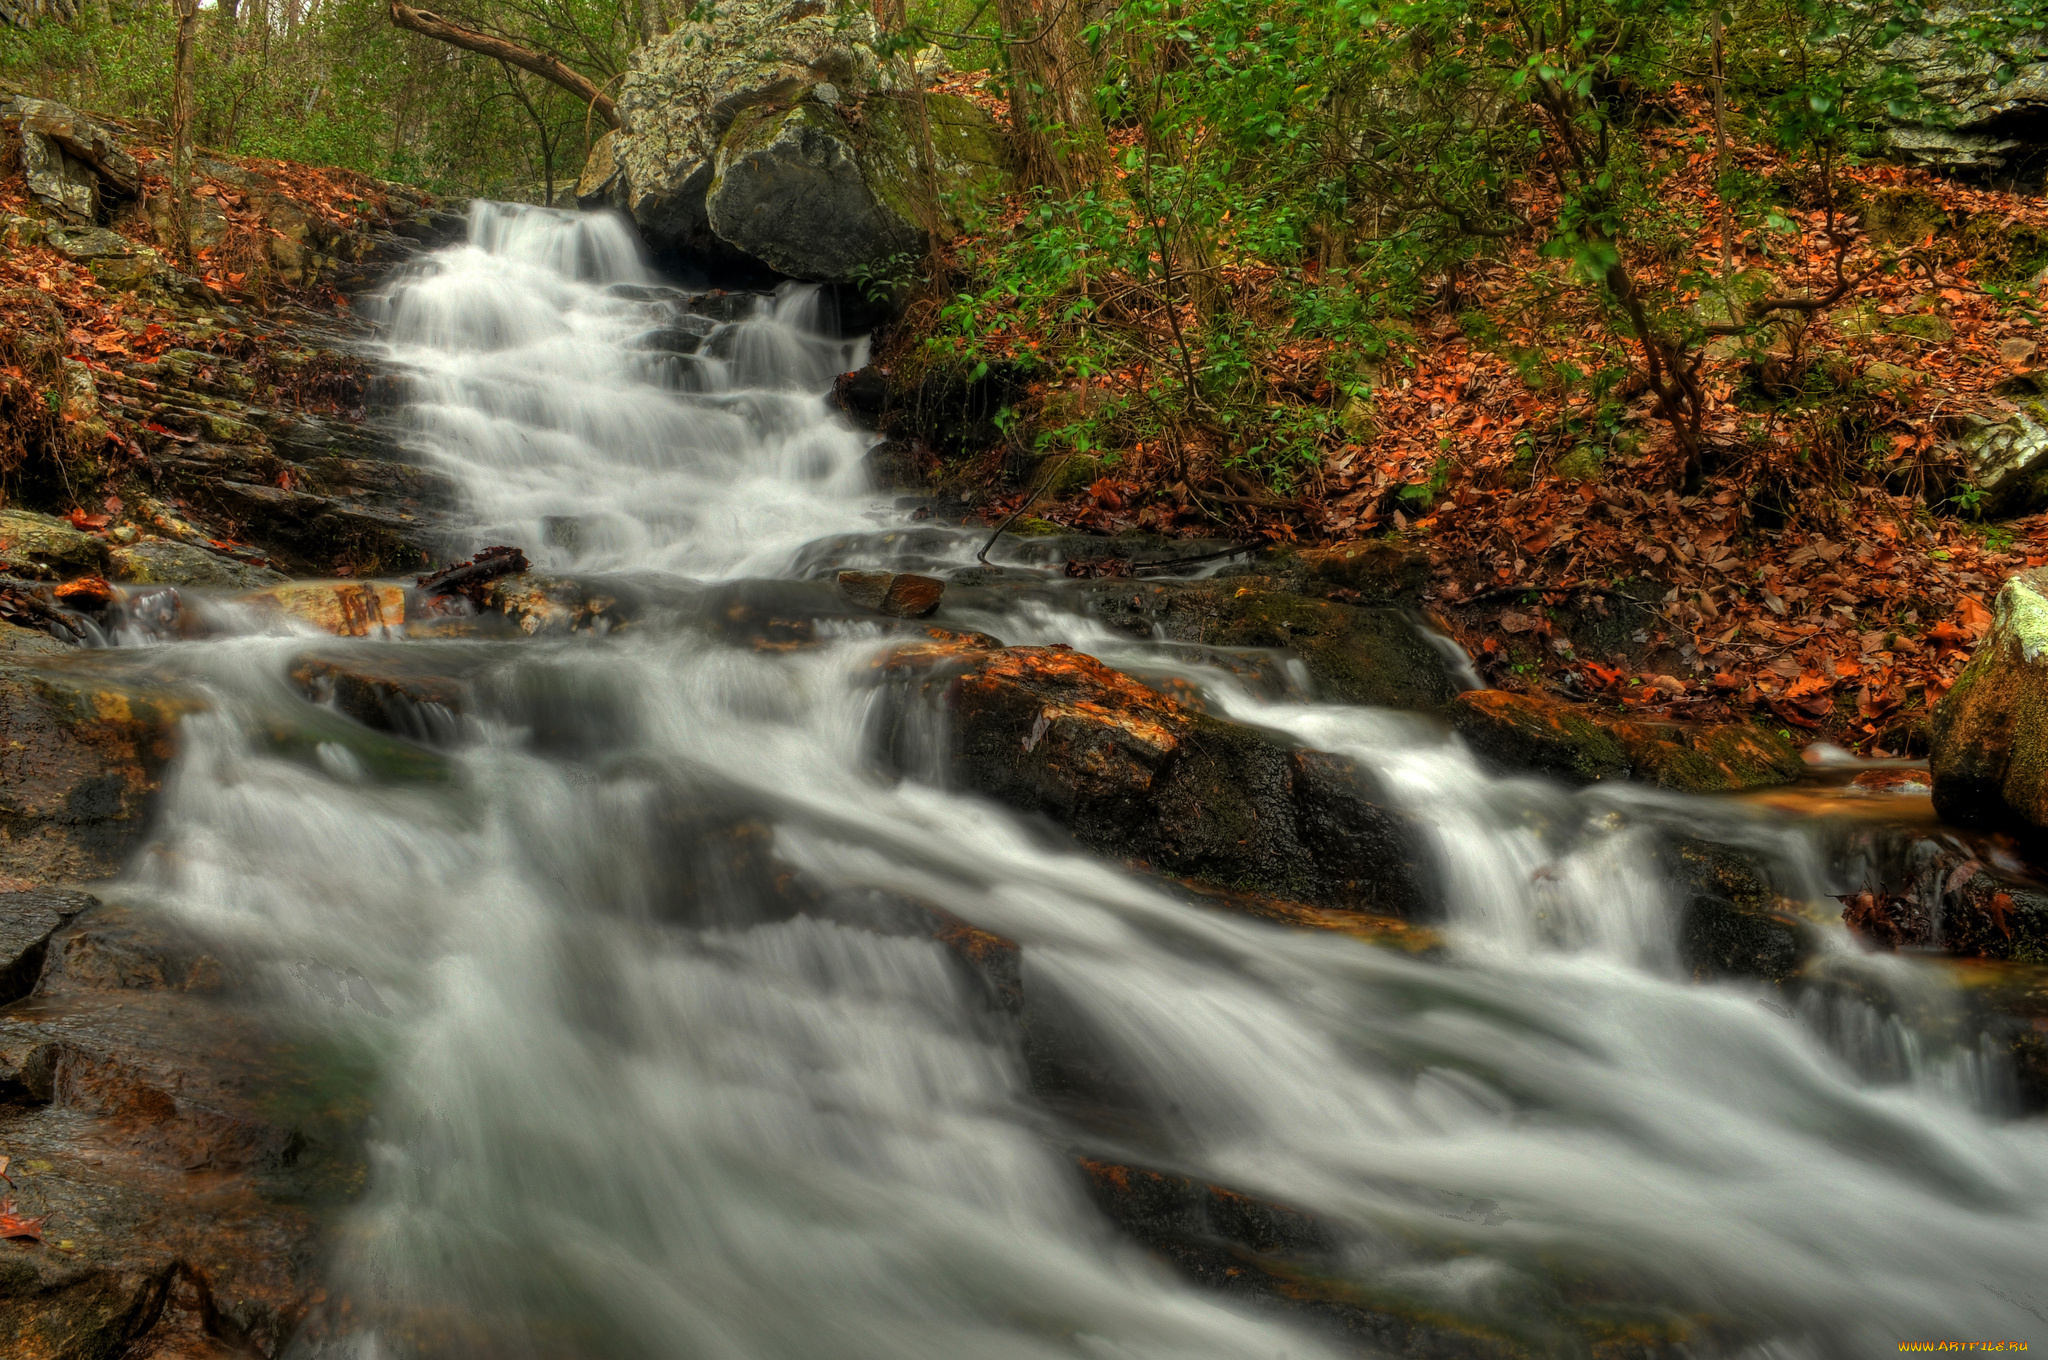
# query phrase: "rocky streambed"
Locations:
[[747, 918]]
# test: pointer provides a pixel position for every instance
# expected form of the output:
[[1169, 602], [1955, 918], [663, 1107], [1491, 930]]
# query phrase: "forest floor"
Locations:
[[1824, 573]]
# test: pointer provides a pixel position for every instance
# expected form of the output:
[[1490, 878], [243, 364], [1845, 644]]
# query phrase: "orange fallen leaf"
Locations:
[[15, 1225]]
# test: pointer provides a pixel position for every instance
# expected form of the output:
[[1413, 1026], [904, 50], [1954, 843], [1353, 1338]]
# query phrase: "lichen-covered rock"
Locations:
[[2007, 459], [736, 138], [1990, 731], [45, 548], [166, 562], [1134, 774], [1537, 734]]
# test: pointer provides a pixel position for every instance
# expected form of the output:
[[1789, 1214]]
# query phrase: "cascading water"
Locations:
[[630, 1105]]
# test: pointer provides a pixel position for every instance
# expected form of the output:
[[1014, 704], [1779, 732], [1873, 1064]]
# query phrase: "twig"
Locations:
[[1025, 504]]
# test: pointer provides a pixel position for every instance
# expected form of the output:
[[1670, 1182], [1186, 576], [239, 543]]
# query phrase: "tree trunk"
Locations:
[[181, 130], [546, 67], [1053, 75]]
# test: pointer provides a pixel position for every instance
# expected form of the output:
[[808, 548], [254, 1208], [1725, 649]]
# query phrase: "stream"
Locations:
[[631, 1103]]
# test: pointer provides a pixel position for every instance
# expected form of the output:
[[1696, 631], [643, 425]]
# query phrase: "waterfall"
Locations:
[[638, 1096]]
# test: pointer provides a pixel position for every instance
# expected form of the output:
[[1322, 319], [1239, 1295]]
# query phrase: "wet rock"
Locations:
[[2007, 458], [28, 919], [179, 1146], [343, 608], [1353, 655], [1990, 731], [1984, 914], [1375, 571], [45, 548], [2009, 1008], [901, 594], [1136, 775], [166, 562], [1733, 922], [395, 690], [19, 643], [542, 604], [81, 758], [1539, 734], [1270, 1255]]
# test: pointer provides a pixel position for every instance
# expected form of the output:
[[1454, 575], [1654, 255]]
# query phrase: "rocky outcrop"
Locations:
[[2006, 458], [1515, 733], [1990, 731], [72, 164], [779, 135], [1136, 775], [1981, 125]]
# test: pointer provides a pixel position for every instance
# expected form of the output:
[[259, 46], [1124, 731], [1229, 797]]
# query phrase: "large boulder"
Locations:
[[780, 136], [1990, 731]]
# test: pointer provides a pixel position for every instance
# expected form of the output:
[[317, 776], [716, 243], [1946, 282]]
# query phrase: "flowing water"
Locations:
[[632, 1104]]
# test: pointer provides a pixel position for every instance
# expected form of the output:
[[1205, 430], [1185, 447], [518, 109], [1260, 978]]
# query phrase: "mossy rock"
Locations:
[[161, 562], [1903, 216], [1990, 731], [1059, 475], [45, 548], [1585, 463], [1538, 734], [1380, 570], [1733, 922], [1373, 657], [1922, 326]]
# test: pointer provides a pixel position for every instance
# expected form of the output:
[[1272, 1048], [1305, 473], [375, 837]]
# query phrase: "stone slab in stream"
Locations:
[[82, 754]]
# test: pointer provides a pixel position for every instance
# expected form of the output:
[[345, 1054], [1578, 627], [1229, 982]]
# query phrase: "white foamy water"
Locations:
[[637, 1100]]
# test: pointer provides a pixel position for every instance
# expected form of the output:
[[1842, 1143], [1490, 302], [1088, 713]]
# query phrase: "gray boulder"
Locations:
[[71, 163], [780, 136]]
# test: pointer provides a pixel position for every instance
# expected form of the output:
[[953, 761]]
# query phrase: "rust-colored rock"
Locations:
[[1539, 734], [1135, 775], [343, 608], [897, 593]]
